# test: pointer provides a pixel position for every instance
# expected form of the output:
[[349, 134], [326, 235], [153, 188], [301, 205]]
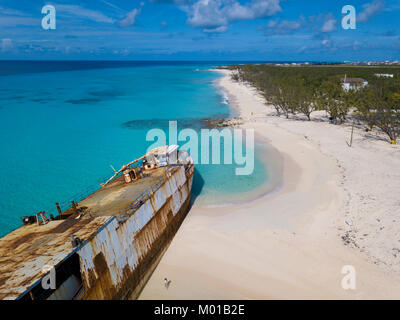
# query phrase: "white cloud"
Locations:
[[239, 12], [220, 29], [370, 10], [302, 49], [112, 6], [265, 8], [14, 18], [323, 23], [207, 14], [211, 14], [10, 21], [285, 26], [252, 10], [6, 45], [129, 19], [329, 25], [11, 12]]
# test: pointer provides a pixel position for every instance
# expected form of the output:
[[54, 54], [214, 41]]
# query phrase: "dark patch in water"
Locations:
[[16, 98], [97, 96], [84, 101], [40, 100], [193, 123], [105, 94], [12, 98]]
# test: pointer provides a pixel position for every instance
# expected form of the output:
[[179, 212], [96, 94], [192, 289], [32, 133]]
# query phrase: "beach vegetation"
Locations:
[[379, 105], [305, 89], [334, 100]]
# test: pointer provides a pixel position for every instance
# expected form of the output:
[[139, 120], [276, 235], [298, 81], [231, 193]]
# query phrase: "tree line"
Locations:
[[304, 89]]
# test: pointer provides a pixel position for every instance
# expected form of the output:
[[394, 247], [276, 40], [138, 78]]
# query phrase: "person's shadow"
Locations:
[[198, 183]]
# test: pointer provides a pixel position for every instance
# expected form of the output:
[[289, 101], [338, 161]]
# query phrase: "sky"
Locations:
[[257, 30]]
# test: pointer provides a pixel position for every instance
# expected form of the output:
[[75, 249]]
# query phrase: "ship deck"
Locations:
[[25, 251], [118, 195]]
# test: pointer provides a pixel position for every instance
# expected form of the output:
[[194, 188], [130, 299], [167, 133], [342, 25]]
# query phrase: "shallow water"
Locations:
[[61, 130]]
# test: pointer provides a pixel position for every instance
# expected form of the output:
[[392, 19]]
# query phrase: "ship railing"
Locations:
[[133, 206], [65, 205], [78, 197], [125, 213]]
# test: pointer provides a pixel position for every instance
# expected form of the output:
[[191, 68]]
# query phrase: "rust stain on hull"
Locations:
[[108, 244], [105, 279]]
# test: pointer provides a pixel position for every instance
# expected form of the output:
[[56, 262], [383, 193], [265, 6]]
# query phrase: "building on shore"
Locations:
[[353, 83], [384, 75]]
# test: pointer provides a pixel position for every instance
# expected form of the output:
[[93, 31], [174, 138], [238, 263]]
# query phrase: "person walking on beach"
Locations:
[[166, 283]]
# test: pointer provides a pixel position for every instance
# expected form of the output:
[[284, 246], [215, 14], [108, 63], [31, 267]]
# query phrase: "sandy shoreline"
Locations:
[[288, 245]]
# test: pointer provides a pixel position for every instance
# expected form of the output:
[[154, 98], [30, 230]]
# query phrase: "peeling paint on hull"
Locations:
[[107, 244], [118, 260]]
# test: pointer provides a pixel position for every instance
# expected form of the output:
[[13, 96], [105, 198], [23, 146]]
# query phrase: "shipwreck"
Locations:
[[106, 245]]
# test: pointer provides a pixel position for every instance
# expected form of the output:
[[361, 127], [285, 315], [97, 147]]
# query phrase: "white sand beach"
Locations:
[[337, 206]]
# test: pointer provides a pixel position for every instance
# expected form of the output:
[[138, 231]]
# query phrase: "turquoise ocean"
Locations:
[[62, 124]]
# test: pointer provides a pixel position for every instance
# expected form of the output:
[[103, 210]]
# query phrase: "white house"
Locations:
[[353, 83], [384, 75]]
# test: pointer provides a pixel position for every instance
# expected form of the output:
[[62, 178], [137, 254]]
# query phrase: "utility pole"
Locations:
[[351, 137]]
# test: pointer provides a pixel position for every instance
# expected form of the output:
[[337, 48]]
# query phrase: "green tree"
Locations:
[[379, 105], [334, 100], [302, 96]]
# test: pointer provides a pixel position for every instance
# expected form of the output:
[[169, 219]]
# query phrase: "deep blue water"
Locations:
[[62, 124]]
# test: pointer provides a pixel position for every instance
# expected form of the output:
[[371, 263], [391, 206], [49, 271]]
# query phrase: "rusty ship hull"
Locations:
[[119, 234]]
